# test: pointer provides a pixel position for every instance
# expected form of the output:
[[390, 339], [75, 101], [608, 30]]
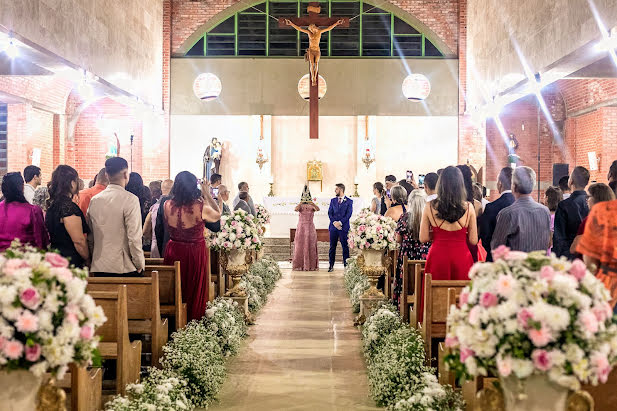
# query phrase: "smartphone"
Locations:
[[215, 192], [409, 176], [421, 180]]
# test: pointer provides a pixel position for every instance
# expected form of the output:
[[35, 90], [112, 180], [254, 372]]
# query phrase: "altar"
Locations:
[[283, 217]]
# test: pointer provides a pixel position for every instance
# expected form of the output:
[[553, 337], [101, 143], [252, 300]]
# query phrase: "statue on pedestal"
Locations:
[[212, 158]]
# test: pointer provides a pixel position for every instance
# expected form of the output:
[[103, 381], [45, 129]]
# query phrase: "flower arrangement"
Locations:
[[225, 321], [356, 283], [530, 314], [372, 231], [263, 216], [238, 232], [47, 319]]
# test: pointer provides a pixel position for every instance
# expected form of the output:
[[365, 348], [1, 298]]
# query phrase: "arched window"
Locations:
[[373, 33]]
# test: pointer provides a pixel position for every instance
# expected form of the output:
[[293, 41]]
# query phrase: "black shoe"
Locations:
[[330, 269]]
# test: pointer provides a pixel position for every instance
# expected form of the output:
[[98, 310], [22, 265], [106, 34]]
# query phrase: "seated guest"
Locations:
[[399, 201], [32, 177], [571, 212], [377, 205], [598, 193], [430, 186], [612, 176], [564, 186], [185, 213], [553, 196], [151, 219], [244, 187], [408, 236], [242, 203], [223, 198], [41, 195], [86, 195], [114, 217], [488, 219], [525, 225], [155, 190], [18, 218], [65, 222]]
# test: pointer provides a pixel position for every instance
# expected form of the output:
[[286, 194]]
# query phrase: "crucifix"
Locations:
[[313, 54]]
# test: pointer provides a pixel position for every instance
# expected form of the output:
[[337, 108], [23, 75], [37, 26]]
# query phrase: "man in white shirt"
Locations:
[[430, 186], [32, 177], [244, 187], [114, 217]]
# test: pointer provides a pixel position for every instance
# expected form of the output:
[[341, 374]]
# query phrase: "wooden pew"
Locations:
[[604, 395], [85, 386], [170, 292], [435, 311], [390, 274], [144, 311], [411, 290], [147, 254], [115, 343], [154, 261], [445, 376]]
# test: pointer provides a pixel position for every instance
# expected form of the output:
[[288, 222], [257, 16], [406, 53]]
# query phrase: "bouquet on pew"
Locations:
[[47, 320], [530, 314], [263, 216], [372, 231], [238, 232]]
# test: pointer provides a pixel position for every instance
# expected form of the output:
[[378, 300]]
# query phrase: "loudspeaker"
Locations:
[[560, 170]]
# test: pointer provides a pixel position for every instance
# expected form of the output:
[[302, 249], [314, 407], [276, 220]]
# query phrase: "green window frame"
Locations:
[[374, 33]]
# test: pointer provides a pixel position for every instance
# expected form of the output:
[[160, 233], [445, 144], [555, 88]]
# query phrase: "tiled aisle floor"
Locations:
[[303, 353]]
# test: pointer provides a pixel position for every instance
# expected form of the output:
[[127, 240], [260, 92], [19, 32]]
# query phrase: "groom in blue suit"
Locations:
[[339, 212]]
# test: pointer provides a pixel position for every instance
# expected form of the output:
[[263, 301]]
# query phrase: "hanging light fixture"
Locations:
[[262, 157], [368, 157]]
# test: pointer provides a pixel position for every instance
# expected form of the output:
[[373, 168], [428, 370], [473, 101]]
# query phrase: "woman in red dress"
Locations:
[[453, 223], [185, 212]]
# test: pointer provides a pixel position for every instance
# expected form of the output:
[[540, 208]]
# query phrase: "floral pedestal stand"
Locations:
[[236, 263], [373, 264]]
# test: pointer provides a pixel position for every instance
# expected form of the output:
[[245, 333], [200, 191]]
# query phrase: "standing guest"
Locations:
[[598, 193], [339, 213], [306, 257], [439, 172], [399, 201], [185, 213], [488, 219], [19, 219], [114, 218], [155, 190], [612, 176], [485, 200], [243, 202], [430, 186], [467, 179], [151, 219], [223, 198], [553, 196], [409, 187], [571, 212], [390, 181], [377, 205], [525, 225], [408, 236], [135, 186], [65, 222], [41, 195], [32, 177], [244, 187], [215, 182], [85, 196], [564, 186]]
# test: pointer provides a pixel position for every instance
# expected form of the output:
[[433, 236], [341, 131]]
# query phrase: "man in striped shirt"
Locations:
[[526, 224]]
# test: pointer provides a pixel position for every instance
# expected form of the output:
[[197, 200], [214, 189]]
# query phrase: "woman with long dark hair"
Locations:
[[136, 186], [18, 218], [184, 216], [64, 219], [477, 205], [377, 204]]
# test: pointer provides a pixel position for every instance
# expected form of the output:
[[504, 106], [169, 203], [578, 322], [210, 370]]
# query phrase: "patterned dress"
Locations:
[[306, 257], [410, 247]]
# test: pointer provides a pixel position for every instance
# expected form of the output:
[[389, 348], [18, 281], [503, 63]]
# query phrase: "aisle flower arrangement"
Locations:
[[48, 321], [239, 231], [394, 354], [193, 365], [372, 231], [260, 281], [356, 283], [531, 314]]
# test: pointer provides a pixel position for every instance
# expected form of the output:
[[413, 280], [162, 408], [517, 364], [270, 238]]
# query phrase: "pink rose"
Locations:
[[463, 298], [547, 273], [523, 316], [14, 264], [30, 298], [601, 313], [378, 228], [500, 252], [56, 260], [504, 366], [72, 318], [27, 322], [33, 353], [451, 341], [466, 353], [87, 332], [13, 349], [488, 300], [578, 269], [540, 337], [62, 273], [600, 362], [541, 360], [234, 223], [361, 228], [474, 315], [589, 321]]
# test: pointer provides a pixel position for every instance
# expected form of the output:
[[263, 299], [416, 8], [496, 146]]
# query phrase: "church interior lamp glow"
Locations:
[[207, 86], [416, 87], [304, 87]]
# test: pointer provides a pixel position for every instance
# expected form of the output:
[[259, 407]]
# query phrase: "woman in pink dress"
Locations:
[[305, 243]]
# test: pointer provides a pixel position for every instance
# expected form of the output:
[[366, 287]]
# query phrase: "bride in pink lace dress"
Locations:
[[305, 243]]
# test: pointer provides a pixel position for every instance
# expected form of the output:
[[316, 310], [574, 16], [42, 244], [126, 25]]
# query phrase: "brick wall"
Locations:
[[48, 91]]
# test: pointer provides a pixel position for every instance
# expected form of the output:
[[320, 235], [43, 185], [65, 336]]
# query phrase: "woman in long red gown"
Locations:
[[185, 214], [453, 223]]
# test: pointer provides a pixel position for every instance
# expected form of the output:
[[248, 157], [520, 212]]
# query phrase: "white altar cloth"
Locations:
[[283, 217]]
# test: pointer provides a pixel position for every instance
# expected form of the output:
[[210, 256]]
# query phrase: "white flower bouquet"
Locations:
[[263, 216], [530, 314], [224, 321], [47, 320], [372, 231], [238, 232]]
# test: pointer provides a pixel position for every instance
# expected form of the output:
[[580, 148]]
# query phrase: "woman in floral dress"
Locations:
[[407, 235]]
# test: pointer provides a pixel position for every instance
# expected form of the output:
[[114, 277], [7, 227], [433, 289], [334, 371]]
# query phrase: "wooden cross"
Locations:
[[313, 10]]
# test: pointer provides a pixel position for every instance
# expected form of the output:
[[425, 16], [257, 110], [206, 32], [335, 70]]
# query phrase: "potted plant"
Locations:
[[543, 325], [47, 322]]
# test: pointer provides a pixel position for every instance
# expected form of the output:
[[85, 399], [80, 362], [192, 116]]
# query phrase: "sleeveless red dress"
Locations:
[[187, 245]]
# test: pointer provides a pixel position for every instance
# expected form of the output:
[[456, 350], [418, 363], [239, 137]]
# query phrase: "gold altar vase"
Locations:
[[236, 263]]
